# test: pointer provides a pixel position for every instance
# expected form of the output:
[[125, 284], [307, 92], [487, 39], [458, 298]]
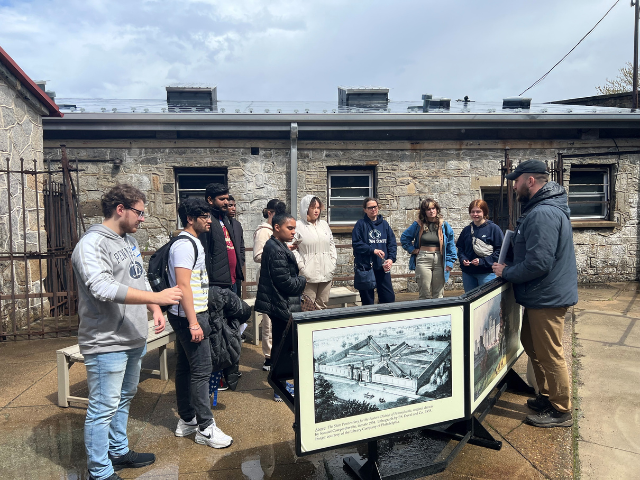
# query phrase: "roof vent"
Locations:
[[186, 99], [363, 97], [433, 103], [42, 85], [516, 102]]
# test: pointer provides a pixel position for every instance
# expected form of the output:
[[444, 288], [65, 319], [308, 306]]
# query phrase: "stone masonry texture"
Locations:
[[20, 137], [452, 173]]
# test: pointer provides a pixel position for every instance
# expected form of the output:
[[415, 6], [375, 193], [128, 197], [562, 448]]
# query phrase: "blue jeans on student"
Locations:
[[113, 381], [384, 287], [473, 280]]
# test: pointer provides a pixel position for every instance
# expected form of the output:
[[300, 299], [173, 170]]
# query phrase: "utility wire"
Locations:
[[594, 27]]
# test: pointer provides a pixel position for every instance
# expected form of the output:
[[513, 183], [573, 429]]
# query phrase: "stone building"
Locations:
[[400, 154], [22, 106]]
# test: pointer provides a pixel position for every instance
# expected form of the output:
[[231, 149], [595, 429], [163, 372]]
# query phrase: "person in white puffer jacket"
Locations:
[[316, 252]]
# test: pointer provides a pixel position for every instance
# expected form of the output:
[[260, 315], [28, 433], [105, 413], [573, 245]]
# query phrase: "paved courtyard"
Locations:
[[39, 440]]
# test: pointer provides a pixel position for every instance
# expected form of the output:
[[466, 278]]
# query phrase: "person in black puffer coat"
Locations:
[[280, 284], [226, 313]]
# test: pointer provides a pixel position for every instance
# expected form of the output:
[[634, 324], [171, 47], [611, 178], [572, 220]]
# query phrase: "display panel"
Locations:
[[372, 375], [495, 320]]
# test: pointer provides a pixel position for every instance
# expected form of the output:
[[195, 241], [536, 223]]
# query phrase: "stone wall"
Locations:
[[20, 137], [452, 172]]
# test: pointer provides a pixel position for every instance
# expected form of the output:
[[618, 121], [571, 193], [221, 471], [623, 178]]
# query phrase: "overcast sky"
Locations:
[[305, 49]]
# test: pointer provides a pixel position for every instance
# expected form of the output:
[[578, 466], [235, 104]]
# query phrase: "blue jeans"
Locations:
[[473, 280], [113, 381]]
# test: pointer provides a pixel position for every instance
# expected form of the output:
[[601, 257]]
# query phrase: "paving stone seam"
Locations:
[[28, 388], [609, 314], [504, 439], [607, 343], [608, 446]]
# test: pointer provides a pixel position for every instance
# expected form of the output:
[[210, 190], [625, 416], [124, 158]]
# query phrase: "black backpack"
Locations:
[[158, 272]]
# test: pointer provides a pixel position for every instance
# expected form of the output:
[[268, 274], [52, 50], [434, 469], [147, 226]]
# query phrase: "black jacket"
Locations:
[[226, 313], [544, 272], [238, 233], [280, 284], [215, 249]]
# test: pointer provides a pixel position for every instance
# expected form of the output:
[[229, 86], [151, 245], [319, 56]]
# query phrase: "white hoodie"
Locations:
[[260, 237], [316, 253]]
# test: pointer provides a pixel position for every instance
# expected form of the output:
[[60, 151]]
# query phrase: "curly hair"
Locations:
[[121, 194], [424, 205]]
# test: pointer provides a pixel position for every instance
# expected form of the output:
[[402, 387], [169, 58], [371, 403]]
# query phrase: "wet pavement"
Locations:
[[39, 440]]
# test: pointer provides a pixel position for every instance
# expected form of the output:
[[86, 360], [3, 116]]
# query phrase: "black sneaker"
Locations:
[[132, 459], [223, 386], [267, 365], [539, 404], [551, 418], [243, 338], [113, 476]]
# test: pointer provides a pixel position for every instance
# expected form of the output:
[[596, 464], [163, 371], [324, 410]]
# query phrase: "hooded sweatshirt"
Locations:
[[260, 237], [106, 265], [316, 254], [368, 236], [544, 272]]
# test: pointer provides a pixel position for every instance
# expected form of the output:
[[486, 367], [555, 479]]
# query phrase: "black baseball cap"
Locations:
[[528, 166]]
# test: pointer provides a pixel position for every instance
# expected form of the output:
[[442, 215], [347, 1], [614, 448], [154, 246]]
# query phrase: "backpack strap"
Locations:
[[193, 242]]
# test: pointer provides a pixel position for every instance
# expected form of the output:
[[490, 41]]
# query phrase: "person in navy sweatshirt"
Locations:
[[374, 246], [476, 270]]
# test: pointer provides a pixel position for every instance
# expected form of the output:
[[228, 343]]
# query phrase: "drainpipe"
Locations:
[[294, 169]]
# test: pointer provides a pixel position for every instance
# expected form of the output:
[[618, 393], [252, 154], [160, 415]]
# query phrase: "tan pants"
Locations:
[[430, 274], [266, 335], [319, 293], [541, 337]]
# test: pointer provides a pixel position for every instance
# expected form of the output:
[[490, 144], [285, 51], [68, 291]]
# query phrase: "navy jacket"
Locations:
[[544, 272], [368, 236], [490, 234]]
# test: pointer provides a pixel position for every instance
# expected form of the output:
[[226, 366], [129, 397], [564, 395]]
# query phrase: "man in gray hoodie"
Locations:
[[112, 293], [545, 283]]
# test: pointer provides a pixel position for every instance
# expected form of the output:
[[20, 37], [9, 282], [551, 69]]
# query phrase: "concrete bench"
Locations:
[[70, 355], [338, 296]]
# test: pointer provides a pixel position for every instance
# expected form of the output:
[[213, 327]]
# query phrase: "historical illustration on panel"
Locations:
[[496, 338], [366, 368]]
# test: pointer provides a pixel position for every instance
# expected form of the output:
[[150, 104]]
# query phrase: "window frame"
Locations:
[[347, 171], [208, 171], [606, 194]]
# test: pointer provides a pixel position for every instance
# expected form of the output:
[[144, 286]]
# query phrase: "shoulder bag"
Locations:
[[480, 248]]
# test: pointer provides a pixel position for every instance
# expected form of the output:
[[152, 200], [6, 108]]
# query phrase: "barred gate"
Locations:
[[38, 231]]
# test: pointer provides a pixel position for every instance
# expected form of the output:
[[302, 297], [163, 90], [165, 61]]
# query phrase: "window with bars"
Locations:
[[347, 191], [192, 182], [590, 192]]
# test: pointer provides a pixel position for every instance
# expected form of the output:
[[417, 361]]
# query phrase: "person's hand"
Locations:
[[292, 246], [386, 266], [475, 262], [448, 268], [466, 263], [498, 268], [168, 296], [379, 253], [415, 251], [158, 321], [197, 335]]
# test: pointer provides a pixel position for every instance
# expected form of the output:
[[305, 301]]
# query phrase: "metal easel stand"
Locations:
[[464, 431]]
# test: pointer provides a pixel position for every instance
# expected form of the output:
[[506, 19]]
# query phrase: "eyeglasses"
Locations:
[[375, 207], [140, 213], [205, 217]]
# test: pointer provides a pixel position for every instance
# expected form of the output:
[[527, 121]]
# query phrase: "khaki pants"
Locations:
[[541, 337], [430, 274], [319, 293], [266, 335]]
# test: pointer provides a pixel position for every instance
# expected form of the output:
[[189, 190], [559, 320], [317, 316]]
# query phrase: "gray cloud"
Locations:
[[257, 50]]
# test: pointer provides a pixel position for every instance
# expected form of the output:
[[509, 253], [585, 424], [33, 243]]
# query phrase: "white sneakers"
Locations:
[[214, 437], [186, 428]]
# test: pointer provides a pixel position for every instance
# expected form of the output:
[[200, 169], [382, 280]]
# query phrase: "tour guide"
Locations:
[[545, 282]]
